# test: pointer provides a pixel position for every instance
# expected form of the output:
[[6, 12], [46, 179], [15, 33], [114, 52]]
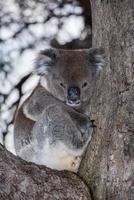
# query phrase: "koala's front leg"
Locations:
[[39, 100], [84, 125], [59, 142]]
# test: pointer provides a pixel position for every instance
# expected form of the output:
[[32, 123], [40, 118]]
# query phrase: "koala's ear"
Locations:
[[96, 57], [45, 61]]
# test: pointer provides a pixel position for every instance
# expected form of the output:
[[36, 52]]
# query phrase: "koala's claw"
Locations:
[[75, 163], [77, 157]]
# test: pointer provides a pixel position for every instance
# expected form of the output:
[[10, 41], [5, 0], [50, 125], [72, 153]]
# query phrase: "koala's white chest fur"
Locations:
[[57, 157]]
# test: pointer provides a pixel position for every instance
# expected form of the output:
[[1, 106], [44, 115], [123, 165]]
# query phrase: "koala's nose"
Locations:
[[73, 95]]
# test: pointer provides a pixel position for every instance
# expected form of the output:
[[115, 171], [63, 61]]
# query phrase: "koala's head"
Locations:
[[70, 75]]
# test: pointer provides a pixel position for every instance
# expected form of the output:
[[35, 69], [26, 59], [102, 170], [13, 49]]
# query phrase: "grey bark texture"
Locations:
[[20, 180], [108, 167]]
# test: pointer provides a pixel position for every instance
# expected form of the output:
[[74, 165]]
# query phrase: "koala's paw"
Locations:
[[72, 163], [75, 163]]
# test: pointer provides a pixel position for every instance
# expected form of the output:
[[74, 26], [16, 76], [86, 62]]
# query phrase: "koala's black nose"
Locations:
[[73, 95]]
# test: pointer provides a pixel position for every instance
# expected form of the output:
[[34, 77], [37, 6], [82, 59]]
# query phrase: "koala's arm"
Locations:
[[27, 115], [78, 128], [82, 122], [34, 106]]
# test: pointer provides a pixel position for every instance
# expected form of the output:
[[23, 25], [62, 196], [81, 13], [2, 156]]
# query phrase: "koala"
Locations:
[[50, 128]]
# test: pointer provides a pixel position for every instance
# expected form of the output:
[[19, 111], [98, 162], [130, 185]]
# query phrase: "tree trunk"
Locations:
[[109, 160]]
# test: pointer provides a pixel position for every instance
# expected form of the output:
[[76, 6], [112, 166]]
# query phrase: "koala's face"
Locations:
[[70, 75]]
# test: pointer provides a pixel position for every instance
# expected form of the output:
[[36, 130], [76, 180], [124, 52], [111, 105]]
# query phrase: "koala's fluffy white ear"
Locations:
[[96, 57], [45, 61]]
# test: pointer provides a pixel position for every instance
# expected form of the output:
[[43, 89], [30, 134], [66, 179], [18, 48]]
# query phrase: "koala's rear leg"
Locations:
[[71, 162], [76, 163]]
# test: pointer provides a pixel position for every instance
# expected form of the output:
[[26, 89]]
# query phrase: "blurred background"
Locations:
[[26, 27]]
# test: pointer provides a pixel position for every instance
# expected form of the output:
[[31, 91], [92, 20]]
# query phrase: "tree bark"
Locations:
[[109, 161], [22, 180]]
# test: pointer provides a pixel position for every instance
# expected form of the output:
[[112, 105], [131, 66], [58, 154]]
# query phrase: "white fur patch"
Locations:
[[25, 111], [58, 157], [1, 137], [44, 83], [9, 142], [24, 97]]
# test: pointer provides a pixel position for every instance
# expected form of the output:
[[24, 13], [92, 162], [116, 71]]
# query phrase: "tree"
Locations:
[[108, 163]]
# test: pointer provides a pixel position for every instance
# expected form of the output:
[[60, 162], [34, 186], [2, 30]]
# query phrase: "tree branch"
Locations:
[[22, 180]]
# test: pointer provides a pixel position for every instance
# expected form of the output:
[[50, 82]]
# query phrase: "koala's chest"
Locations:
[[58, 157]]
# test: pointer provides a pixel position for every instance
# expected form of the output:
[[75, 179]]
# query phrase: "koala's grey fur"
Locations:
[[46, 130]]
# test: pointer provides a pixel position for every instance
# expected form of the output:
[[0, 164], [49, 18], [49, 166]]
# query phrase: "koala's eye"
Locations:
[[62, 85], [84, 84]]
